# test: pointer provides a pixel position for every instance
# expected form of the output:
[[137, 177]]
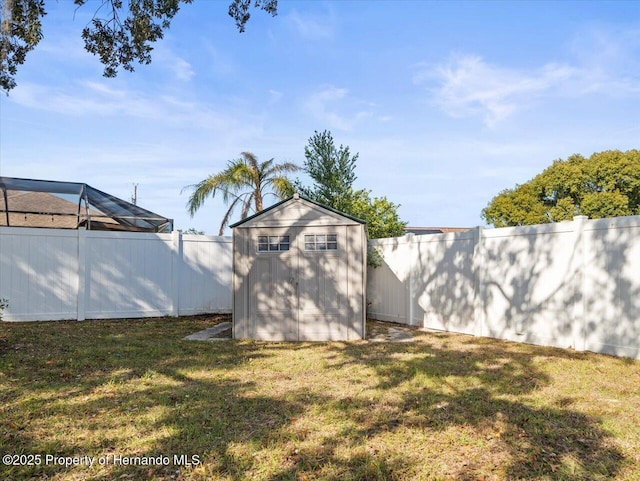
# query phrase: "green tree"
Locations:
[[245, 183], [332, 170], [191, 231], [381, 215], [118, 35], [607, 184]]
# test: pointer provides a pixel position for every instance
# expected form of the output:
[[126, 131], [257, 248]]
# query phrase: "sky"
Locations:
[[447, 103]]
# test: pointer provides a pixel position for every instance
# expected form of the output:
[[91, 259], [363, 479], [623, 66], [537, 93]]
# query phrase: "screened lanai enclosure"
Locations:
[[70, 205]]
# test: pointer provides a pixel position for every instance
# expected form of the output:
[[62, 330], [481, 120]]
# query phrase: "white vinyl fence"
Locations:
[[571, 284], [52, 274]]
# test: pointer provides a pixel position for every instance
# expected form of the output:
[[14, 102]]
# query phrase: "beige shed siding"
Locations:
[[322, 292]]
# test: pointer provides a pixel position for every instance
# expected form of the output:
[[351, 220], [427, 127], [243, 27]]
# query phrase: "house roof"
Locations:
[[69, 205], [434, 230], [42, 209], [294, 198]]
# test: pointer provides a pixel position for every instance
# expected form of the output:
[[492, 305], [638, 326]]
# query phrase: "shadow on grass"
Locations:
[[206, 399], [541, 442]]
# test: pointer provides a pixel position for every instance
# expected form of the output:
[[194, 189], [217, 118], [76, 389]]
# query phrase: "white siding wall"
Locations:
[[572, 284], [50, 274]]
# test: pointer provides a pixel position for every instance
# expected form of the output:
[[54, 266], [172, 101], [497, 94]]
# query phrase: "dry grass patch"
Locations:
[[444, 407]]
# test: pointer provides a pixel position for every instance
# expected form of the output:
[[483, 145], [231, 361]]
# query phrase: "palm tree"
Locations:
[[245, 182]]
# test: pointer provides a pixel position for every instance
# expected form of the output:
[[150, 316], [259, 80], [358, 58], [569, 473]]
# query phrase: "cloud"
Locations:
[[336, 109], [607, 47], [88, 100], [468, 86], [319, 105], [274, 96], [67, 48], [98, 99], [182, 69], [609, 61], [219, 62], [85, 98], [91, 98], [600, 62], [168, 59], [312, 27]]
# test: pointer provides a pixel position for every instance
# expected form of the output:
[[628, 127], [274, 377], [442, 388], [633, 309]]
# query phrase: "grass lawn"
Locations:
[[448, 407]]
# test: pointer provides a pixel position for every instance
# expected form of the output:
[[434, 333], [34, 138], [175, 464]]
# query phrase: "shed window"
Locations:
[[267, 243], [321, 242]]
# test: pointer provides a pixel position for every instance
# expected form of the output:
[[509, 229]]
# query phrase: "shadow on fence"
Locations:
[[572, 284]]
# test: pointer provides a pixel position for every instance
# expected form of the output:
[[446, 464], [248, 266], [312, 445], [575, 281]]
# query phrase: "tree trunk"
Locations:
[[258, 199]]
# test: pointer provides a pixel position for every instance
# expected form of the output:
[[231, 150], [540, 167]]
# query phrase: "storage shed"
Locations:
[[299, 274]]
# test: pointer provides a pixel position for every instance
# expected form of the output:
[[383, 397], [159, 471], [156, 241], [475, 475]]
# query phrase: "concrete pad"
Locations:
[[393, 335], [379, 331], [208, 334]]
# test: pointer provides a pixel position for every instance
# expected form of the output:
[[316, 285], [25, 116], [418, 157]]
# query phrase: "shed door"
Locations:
[[322, 275], [273, 297], [298, 281]]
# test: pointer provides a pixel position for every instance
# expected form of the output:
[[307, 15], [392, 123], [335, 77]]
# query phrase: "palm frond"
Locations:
[[264, 169], [281, 186], [251, 160], [227, 215], [201, 191], [285, 167], [244, 181], [247, 206]]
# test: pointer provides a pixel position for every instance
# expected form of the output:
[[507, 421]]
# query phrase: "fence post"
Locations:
[[478, 295], [579, 318], [176, 265], [410, 236], [82, 274]]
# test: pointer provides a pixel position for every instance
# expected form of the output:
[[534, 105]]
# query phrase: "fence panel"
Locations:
[[443, 281], [388, 285], [612, 286], [206, 275], [528, 278], [52, 274], [128, 274], [38, 273]]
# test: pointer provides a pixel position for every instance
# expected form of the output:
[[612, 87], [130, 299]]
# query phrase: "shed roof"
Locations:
[[264, 215]]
